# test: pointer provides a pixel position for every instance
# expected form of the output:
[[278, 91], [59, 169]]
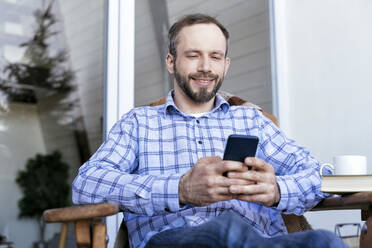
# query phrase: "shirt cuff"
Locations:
[[285, 200], [164, 193]]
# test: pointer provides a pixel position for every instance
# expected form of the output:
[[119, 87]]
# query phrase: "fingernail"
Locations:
[[231, 174]]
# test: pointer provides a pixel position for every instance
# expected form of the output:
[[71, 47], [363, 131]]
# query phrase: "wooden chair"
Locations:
[[90, 229]]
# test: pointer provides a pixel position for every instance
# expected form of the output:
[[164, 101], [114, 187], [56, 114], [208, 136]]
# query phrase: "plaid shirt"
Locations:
[[149, 149]]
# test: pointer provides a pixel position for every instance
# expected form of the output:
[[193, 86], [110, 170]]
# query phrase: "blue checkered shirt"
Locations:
[[149, 149]]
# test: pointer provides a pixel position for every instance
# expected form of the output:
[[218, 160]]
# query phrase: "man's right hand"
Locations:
[[205, 184]]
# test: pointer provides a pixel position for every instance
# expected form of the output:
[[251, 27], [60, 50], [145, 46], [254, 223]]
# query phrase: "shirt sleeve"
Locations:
[[297, 172], [107, 176]]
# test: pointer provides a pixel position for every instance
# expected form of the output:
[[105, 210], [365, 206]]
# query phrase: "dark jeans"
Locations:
[[229, 230]]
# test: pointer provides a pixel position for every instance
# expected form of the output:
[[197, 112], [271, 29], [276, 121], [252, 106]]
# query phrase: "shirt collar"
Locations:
[[170, 107]]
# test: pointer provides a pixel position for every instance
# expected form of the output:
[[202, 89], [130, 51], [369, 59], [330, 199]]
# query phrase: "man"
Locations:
[[163, 164]]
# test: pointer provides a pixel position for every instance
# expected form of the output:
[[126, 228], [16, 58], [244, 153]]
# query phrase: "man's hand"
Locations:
[[204, 184], [261, 183]]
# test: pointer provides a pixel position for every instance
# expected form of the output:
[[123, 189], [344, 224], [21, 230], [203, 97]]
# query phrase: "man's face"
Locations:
[[200, 65]]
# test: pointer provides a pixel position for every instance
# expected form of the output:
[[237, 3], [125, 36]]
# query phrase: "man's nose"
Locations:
[[204, 65]]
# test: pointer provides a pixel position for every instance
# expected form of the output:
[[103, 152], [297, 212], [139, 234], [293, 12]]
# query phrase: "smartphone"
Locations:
[[238, 147]]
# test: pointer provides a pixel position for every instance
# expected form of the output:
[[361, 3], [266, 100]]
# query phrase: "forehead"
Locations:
[[204, 37]]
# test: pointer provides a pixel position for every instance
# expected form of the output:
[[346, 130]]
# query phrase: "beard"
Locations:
[[203, 95]]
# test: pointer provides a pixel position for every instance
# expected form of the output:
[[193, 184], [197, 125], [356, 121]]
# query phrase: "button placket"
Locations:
[[197, 131]]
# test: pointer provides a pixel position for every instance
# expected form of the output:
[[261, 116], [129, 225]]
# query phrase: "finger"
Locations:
[[228, 165], [218, 194], [212, 159], [222, 188], [261, 198], [254, 176], [226, 181], [222, 191], [257, 163], [248, 189]]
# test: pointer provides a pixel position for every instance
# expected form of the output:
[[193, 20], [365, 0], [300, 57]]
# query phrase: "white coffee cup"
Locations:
[[347, 165]]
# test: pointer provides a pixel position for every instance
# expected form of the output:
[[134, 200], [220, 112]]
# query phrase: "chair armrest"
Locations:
[[361, 200], [80, 212]]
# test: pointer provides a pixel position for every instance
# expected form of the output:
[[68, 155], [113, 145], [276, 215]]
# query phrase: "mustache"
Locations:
[[204, 75]]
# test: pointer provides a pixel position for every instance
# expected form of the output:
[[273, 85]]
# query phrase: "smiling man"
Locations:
[[162, 165]]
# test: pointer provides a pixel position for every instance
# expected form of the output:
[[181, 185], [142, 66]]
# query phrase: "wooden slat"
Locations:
[[63, 236], [82, 233], [249, 45], [99, 235], [245, 64], [80, 212]]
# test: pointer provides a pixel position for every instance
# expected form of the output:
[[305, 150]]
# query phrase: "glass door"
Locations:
[[52, 56]]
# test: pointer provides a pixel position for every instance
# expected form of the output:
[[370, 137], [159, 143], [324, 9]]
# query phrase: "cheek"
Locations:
[[187, 66], [219, 68]]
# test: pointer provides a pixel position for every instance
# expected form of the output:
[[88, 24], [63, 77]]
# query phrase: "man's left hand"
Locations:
[[265, 190]]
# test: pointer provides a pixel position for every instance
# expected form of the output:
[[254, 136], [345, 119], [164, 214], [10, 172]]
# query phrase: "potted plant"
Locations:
[[44, 184]]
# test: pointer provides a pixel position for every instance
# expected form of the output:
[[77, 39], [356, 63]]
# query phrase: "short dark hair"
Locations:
[[189, 20]]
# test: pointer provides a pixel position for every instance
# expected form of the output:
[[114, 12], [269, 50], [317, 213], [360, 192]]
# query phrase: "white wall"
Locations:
[[323, 62]]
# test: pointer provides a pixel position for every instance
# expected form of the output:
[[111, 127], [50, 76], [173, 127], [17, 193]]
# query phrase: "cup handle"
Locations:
[[330, 166]]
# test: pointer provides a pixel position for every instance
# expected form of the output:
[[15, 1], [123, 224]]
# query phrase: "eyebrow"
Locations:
[[198, 51]]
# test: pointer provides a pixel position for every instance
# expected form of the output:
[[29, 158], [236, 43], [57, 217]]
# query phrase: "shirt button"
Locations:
[[200, 142], [197, 121]]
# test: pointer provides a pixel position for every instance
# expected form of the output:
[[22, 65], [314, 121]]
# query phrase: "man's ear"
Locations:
[[169, 60], [227, 65]]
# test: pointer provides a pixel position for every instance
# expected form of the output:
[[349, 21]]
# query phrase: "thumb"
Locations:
[[229, 165]]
